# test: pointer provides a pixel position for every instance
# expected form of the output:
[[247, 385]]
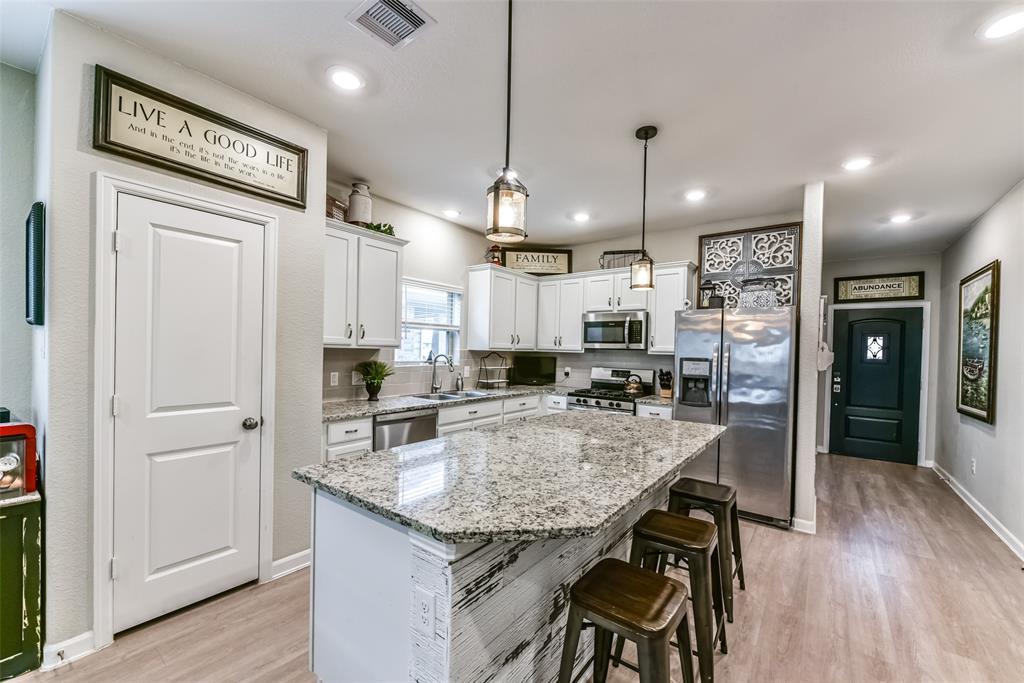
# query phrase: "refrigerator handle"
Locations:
[[726, 352], [713, 389]]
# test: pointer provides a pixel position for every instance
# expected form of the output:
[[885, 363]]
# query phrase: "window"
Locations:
[[875, 347], [430, 321]]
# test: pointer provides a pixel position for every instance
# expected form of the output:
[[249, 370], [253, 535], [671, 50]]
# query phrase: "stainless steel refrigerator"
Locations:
[[736, 367]]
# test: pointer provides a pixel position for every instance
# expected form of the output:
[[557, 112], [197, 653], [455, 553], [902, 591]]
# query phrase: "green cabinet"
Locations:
[[20, 585]]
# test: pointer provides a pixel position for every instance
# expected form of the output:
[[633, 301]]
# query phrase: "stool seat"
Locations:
[[667, 527], [643, 601], [695, 489]]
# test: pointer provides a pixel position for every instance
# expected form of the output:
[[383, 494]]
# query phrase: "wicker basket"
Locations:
[[619, 258]]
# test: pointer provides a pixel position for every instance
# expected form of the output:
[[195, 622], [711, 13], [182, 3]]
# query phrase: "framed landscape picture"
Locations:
[[979, 330]]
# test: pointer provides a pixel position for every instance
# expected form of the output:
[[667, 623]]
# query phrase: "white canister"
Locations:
[[359, 204]]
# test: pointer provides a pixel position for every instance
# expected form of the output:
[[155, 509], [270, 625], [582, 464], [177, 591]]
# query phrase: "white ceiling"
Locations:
[[752, 100]]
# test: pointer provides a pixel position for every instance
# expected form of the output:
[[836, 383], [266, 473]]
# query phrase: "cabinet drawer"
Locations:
[[659, 412], [352, 430], [520, 416], [471, 411], [518, 405], [350, 448], [555, 402]]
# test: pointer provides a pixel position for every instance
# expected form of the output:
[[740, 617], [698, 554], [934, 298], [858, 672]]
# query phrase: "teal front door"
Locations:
[[876, 383]]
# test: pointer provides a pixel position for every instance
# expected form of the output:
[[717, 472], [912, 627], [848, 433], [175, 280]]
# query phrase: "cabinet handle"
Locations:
[[517, 340], [351, 431], [559, 340], [511, 339], [362, 331], [609, 301], [652, 341], [473, 412], [618, 301], [348, 330], [554, 341]]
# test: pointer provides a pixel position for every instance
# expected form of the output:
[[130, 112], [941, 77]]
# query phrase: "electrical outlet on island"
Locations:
[[974, 465]]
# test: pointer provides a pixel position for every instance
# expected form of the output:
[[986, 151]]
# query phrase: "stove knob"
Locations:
[[579, 400], [618, 405], [597, 403]]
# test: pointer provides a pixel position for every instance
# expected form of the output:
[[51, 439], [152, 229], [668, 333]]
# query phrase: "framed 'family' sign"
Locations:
[[979, 330], [137, 121], [538, 261]]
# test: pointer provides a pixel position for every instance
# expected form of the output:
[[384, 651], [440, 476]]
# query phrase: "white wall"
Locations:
[[670, 245], [931, 264], [66, 163], [17, 125], [998, 485]]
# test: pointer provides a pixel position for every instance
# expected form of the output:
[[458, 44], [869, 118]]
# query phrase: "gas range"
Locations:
[[606, 393]]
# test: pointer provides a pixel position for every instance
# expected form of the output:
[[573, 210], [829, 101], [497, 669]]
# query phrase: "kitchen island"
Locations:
[[451, 559]]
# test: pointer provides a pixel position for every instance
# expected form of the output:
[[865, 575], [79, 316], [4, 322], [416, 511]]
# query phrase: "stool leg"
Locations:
[[653, 660], [636, 558], [685, 658], [737, 550], [703, 616], [602, 650], [724, 525], [717, 597], [572, 641]]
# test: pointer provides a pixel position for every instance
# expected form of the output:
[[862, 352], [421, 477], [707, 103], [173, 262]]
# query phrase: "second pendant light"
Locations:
[[641, 271]]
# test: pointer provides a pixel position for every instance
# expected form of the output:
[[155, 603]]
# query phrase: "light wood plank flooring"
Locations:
[[901, 583]]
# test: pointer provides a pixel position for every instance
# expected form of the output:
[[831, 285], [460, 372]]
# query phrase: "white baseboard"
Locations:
[[804, 526], [1012, 542], [821, 449], [287, 565], [59, 654]]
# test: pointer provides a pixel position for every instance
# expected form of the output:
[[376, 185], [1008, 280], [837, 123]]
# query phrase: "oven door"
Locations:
[[615, 330]]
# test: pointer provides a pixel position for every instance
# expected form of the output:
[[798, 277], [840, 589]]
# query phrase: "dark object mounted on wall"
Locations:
[[35, 275], [709, 296], [730, 258]]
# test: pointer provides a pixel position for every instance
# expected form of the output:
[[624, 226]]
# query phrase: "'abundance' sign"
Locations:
[[894, 287], [137, 121]]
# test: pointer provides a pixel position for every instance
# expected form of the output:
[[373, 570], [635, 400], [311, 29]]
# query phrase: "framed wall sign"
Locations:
[[891, 287], [976, 356], [538, 261], [135, 120]]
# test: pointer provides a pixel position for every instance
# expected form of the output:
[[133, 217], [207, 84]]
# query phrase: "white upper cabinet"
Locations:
[[627, 299], [526, 314], [362, 287], [560, 315], [502, 310], [547, 315], [671, 290], [599, 293]]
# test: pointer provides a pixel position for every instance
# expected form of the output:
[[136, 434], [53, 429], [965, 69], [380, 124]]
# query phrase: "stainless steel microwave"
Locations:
[[623, 330]]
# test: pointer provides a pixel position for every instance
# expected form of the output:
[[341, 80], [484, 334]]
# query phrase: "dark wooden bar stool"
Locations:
[[720, 501], [620, 599], [694, 541]]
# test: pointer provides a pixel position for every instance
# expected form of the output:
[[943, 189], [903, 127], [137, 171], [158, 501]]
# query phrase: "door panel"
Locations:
[[526, 314], [627, 299], [599, 292], [669, 293], [380, 268], [503, 310], [876, 383], [570, 315], [341, 259], [547, 316], [186, 474], [756, 450]]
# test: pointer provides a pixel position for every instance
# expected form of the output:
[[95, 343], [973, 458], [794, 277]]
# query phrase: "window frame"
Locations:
[[454, 331]]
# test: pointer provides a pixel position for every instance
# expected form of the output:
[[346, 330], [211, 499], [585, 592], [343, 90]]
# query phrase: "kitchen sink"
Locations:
[[470, 394], [438, 397]]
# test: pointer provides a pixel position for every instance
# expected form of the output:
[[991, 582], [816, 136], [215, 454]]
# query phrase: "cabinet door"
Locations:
[[570, 316], [379, 294], [503, 310], [347, 449], [548, 294], [526, 314], [599, 293], [669, 295], [627, 299], [340, 265]]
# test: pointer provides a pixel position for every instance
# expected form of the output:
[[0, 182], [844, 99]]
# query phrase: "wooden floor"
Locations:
[[901, 583]]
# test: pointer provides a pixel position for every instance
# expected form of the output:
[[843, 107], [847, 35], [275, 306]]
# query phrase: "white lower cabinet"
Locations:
[[520, 409], [469, 416], [555, 403], [657, 412], [347, 438]]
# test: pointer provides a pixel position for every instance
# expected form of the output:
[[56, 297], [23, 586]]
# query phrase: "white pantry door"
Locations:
[[188, 345]]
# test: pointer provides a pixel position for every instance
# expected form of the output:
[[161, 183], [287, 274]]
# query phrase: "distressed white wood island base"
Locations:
[[451, 559]]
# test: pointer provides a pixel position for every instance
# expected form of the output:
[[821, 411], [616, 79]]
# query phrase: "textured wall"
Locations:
[[65, 86], [17, 125], [998, 484]]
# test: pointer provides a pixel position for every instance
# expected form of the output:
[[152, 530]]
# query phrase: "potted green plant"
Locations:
[[374, 373]]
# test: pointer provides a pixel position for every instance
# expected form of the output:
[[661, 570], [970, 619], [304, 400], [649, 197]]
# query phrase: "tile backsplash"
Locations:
[[579, 364]]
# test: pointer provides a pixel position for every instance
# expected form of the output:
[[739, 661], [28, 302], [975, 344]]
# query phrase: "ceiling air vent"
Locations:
[[395, 22]]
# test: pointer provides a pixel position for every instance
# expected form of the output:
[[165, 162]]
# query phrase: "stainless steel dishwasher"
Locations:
[[398, 429]]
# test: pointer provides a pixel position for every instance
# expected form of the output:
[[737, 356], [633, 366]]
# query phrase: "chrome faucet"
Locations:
[[435, 386]]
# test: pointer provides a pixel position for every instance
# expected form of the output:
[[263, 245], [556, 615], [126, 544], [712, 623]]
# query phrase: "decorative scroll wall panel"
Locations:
[[727, 259]]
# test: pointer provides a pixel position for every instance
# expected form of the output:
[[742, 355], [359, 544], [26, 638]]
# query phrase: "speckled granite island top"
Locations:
[[561, 476]]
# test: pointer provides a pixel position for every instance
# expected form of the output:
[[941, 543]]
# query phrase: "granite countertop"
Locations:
[[654, 400], [561, 476], [339, 411]]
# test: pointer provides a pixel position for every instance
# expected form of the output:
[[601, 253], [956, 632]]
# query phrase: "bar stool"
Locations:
[[620, 599], [659, 533], [720, 501]]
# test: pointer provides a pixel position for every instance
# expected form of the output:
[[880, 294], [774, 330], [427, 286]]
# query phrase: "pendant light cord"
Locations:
[[643, 211], [508, 89]]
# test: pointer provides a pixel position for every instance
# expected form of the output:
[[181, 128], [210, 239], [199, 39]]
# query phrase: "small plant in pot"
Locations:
[[374, 373]]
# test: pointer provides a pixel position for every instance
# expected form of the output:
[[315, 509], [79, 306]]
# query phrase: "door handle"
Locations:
[[726, 353], [348, 330], [517, 340], [609, 301], [250, 423], [618, 301], [512, 339], [559, 340], [652, 341], [362, 331]]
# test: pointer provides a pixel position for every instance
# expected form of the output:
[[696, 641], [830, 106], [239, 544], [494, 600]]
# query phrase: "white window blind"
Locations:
[[430, 322]]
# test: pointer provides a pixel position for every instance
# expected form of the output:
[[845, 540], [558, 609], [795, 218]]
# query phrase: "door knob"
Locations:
[[250, 423]]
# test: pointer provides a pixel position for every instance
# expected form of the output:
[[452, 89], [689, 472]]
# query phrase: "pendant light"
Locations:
[[641, 271], [506, 198]]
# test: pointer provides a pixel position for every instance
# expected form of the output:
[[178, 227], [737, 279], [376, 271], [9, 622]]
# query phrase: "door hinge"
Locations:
[[115, 405], [113, 568], [116, 237]]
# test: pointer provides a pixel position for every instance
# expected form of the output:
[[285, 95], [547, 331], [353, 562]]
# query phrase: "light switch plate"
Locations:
[[423, 620], [334, 379], [465, 371]]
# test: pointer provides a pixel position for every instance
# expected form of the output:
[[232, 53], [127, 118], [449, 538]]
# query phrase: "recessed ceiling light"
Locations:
[[695, 195], [898, 218], [346, 79], [452, 213], [857, 163], [581, 216], [1004, 25]]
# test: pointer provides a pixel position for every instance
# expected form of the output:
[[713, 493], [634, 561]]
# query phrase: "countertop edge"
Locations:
[[367, 410]]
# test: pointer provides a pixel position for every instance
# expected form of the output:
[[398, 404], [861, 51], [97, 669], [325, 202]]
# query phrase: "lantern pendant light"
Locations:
[[641, 271], [506, 198]]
